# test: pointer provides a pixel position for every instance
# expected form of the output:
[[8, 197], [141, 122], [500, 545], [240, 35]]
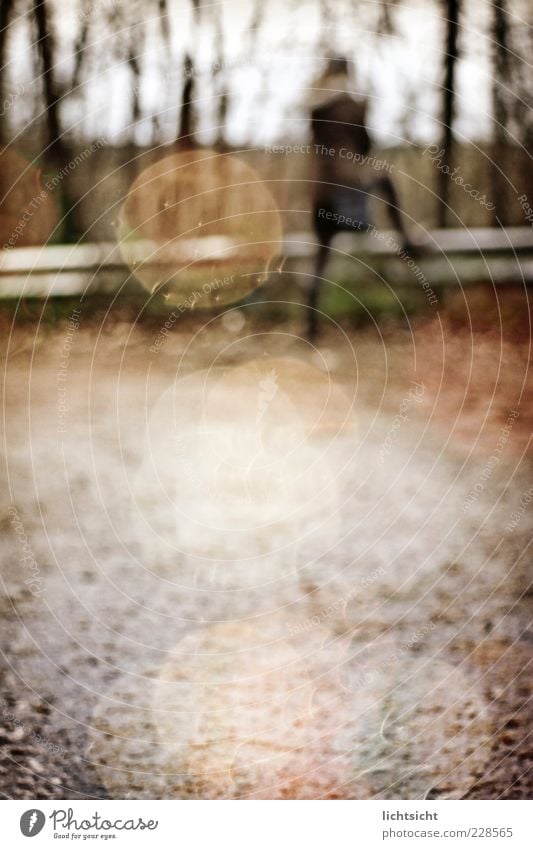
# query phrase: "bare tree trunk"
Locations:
[[500, 35], [45, 47], [452, 13], [185, 126], [163, 18], [133, 63], [5, 12], [185, 118], [56, 151], [222, 109], [79, 49]]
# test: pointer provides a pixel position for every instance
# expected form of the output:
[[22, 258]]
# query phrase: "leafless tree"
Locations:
[[500, 98], [220, 75], [6, 7], [452, 11], [45, 45], [185, 129], [81, 45]]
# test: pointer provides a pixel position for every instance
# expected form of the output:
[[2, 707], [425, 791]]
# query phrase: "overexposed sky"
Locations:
[[267, 77]]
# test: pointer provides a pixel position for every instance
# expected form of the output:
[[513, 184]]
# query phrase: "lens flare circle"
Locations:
[[201, 228]]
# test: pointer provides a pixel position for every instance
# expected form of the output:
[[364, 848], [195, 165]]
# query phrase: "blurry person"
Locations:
[[345, 179]]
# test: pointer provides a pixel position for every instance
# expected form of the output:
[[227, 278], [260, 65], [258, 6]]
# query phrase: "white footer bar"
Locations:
[[269, 825]]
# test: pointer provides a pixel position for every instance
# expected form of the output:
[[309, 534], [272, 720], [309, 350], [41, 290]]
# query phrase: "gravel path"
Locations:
[[244, 569]]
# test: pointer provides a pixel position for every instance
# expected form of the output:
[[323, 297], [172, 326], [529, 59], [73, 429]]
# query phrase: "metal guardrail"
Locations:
[[448, 257]]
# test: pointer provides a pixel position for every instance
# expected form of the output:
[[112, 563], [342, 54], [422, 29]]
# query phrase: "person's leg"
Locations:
[[384, 186], [314, 290]]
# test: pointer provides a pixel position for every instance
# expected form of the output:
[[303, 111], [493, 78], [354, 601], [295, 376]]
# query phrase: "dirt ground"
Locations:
[[355, 626]]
